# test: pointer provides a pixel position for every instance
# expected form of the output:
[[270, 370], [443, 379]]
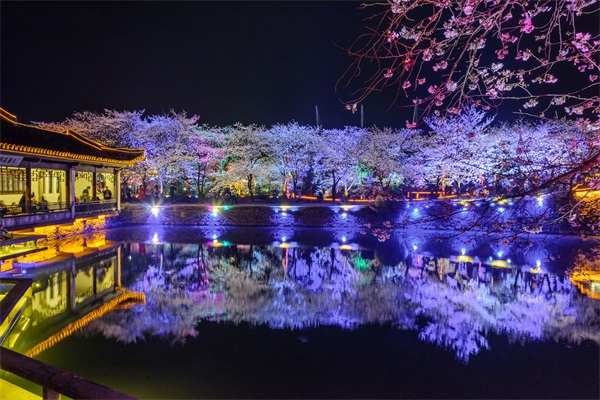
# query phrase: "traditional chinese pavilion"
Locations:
[[49, 177]]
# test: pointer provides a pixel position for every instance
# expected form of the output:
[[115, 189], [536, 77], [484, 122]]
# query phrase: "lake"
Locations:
[[328, 313]]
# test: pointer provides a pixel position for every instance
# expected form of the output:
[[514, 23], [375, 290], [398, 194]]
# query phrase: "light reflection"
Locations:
[[291, 285], [304, 284]]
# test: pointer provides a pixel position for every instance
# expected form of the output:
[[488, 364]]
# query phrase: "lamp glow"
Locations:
[[155, 210]]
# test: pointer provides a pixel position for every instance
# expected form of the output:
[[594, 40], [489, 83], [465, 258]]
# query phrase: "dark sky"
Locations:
[[252, 62]]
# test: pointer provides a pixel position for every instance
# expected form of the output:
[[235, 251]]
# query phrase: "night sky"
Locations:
[[249, 62]]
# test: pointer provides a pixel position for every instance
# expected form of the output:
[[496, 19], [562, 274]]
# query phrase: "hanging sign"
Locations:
[[10, 160]]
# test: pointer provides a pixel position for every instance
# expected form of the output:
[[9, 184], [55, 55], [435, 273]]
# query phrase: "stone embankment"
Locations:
[[526, 215]]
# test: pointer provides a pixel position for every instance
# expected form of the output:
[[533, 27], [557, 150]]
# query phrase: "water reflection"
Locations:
[[453, 292], [67, 292]]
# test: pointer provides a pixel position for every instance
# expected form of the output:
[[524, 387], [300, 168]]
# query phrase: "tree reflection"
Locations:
[[453, 301]]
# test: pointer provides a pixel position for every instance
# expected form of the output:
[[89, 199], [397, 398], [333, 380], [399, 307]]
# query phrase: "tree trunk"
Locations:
[[250, 190], [198, 180], [333, 187]]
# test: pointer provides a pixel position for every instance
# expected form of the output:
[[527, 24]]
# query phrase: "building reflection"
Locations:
[[67, 292]]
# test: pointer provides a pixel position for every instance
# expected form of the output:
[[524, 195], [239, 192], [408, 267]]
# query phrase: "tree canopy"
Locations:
[[444, 55]]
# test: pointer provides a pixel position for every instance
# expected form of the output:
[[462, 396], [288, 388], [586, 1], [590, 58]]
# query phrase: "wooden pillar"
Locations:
[[118, 268], [118, 188], [28, 187], [94, 183], [73, 288], [49, 394], [71, 188]]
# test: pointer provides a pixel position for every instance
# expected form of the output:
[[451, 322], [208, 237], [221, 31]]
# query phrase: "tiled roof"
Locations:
[[30, 140]]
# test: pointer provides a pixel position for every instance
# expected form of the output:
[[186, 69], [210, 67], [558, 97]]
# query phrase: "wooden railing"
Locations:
[[95, 207], [16, 210], [54, 381]]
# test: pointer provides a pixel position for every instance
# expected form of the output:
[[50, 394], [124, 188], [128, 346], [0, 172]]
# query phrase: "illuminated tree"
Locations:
[[291, 149], [549, 156], [112, 128], [385, 155], [339, 154], [247, 150], [207, 147], [165, 138], [456, 148], [446, 54], [167, 144]]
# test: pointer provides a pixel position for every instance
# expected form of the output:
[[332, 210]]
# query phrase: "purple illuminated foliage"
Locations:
[[298, 287], [462, 154]]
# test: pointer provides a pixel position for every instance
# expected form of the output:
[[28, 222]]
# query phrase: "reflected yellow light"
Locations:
[[499, 264], [588, 283], [6, 265], [43, 255], [285, 245], [580, 192], [96, 240], [464, 259], [114, 304], [72, 245], [8, 321]]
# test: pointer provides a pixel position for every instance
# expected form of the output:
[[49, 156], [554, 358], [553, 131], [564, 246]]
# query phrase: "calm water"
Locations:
[[293, 313]]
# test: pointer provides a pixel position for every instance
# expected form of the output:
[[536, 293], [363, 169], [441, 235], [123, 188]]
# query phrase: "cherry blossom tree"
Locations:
[[548, 156], [390, 157], [207, 147], [446, 54], [456, 149], [112, 128], [339, 156], [291, 149], [247, 150], [165, 138], [167, 145]]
